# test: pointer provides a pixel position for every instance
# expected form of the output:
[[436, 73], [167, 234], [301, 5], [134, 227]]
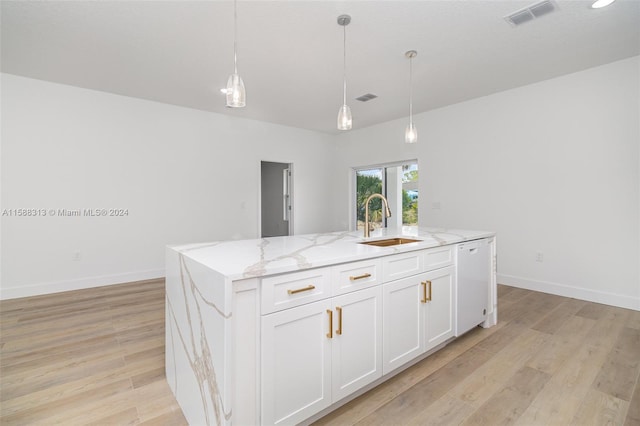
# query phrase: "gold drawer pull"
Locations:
[[339, 330], [424, 292], [359, 277], [300, 290], [429, 298], [330, 333]]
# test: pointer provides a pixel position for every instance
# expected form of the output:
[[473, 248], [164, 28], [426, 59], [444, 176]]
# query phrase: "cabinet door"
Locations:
[[357, 341], [402, 322], [296, 363], [439, 309]]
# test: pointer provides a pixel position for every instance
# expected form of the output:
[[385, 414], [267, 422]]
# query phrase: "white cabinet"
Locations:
[[357, 341], [402, 265], [402, 323], [355, 276], [438, 307], [373, 317], [316, 354], [418, 310], [296, 363], [295, 289], [438, 257]]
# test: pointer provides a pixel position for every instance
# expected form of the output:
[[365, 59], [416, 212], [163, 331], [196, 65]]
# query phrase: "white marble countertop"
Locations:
[[268, 256]]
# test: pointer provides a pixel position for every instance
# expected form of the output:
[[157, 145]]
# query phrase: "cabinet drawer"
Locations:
[[402, 265], [438, 257], [355, 276], [289, 290]]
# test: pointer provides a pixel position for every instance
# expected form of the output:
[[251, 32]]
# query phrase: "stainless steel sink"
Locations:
[[390, 242]]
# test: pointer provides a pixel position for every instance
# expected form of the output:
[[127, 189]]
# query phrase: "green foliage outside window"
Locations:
[[365, 186], [409, 209], [409, 204]]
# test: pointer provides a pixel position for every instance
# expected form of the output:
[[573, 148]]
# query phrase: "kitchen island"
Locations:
[[282, 330]]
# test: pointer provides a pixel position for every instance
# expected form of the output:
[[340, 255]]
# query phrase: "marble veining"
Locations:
[[260, 268], [196, 346], [267, 256], [195, 290]]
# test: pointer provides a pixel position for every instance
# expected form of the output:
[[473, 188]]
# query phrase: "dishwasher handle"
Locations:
[[471, 247]]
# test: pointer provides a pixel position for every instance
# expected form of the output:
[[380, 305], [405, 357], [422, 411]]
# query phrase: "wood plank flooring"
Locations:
[[91, 356], [96, 356], [550, 360]]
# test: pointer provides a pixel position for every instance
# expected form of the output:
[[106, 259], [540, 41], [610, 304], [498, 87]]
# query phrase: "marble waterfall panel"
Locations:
[[198, 321]]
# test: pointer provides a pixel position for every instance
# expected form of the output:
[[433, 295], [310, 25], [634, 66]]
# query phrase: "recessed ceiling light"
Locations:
[[223, 90], [601, 3]]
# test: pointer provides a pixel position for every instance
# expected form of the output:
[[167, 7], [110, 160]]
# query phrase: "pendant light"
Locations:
[[236, 95], [344, 115], [411, 133]]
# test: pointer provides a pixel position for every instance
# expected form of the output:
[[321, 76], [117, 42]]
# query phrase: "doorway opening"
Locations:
[[276, 199]]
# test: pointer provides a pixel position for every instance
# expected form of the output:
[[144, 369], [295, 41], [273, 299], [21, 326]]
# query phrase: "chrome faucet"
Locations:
[[387, 212]]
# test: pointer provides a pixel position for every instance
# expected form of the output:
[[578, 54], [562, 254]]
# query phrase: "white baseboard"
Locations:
[[78, 284], [613, 299]]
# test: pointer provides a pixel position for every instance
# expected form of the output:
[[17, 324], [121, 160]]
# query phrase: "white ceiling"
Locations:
[[290, 52]]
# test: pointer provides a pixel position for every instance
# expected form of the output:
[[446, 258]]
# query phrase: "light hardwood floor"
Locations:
[[96, 356]]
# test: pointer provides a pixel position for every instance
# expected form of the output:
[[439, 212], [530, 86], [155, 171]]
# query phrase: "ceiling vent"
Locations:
[[367, 97], [530, 13]]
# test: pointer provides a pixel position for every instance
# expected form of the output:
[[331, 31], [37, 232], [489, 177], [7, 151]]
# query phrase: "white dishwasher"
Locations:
[[472, 295]]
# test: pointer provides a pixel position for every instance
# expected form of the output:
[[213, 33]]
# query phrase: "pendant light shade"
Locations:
[[345, 120], [411, 133], [236, 94]]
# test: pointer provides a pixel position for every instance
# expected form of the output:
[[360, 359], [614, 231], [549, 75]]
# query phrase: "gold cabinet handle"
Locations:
[[300, 290], [330, 333], [429, 298], [339, 330], [424, 292], [359, 277]]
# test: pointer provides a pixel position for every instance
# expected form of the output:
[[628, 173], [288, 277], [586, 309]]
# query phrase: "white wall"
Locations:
[[184, 176], [553, 167]]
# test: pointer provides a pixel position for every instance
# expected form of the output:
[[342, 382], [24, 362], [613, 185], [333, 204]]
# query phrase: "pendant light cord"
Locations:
[[410, 90], [235, 37], [344, 65]]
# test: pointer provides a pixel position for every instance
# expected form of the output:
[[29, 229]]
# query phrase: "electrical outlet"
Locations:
[[539, 256], [76, 256]]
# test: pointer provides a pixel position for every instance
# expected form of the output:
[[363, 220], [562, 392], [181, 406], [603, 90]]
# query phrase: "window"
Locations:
[[398, 182]]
